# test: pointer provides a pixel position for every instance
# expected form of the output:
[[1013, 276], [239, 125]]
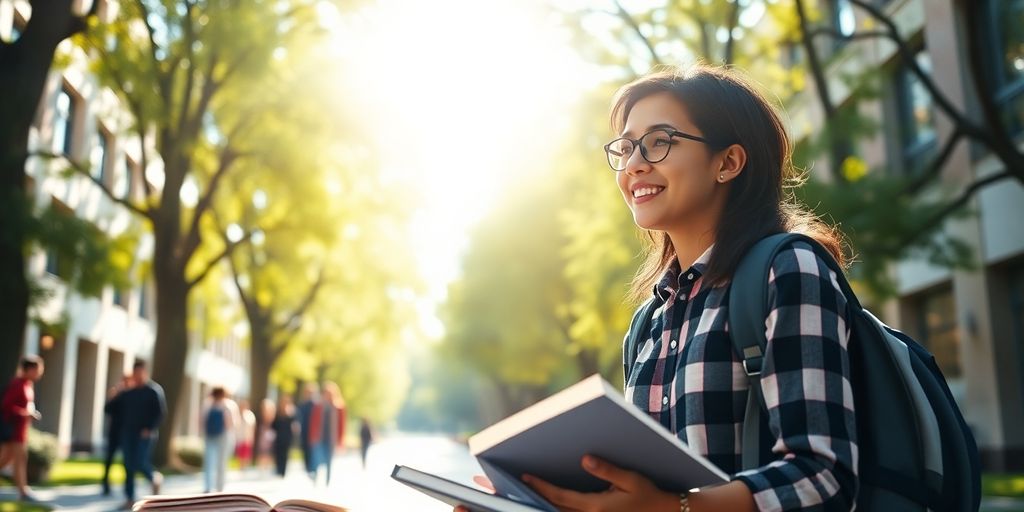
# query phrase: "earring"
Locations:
[[721, 177]]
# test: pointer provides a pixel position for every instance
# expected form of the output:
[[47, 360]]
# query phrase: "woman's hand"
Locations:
[[630, 491]]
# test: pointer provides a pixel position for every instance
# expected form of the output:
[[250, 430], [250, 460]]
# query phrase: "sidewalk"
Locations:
[[351, 486], [88, 498]]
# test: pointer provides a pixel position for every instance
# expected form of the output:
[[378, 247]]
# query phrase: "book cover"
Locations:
[[550, 438]]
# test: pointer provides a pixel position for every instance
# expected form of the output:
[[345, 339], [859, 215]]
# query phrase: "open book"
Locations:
[[228, 502], [549, 440]]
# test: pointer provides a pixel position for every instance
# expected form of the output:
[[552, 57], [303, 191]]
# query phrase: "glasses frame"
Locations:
[[643, 150]]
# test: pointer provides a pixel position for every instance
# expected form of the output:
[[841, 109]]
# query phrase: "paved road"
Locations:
[[351, 486]]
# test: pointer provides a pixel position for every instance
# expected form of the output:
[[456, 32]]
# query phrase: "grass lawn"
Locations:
[[1003, 484], [13, 506], [83, 472]]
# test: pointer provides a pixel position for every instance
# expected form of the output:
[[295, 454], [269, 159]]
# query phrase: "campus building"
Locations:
[[972, 320], [99, 338]]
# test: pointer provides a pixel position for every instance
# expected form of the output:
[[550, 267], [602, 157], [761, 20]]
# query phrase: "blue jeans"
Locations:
[[215, 462], [323, 455], [136, 452]]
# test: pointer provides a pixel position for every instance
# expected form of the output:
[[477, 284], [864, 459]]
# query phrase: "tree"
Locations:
[[171, 62], [24, 66], [869, 204]]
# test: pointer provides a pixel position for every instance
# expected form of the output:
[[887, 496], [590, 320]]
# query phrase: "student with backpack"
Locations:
[[750, 345], [218, 422]]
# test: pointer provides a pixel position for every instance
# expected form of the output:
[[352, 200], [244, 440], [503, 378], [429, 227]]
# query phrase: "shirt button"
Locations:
[[673, 344], [690, 276], [664, 400]]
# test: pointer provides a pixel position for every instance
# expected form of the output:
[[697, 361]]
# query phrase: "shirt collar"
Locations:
[[673, 280]]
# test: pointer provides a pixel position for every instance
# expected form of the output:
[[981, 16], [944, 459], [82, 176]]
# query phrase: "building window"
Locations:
[[916, 111], [143, 303], [1006, 38], [1016, 286], [52, 263], [130, 171], [64, 122], [843, 21], [102, 163], [937, 323]]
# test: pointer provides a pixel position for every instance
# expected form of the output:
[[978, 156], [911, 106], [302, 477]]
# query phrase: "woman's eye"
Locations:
[[662, 142]]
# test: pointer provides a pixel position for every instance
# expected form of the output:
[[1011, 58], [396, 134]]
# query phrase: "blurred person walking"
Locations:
[[310, 396], [283, 426], [114, 411], [17, 410], [265, 434], [218, 423], [144, 408], [327, 429], [245, 432], [366, 436]]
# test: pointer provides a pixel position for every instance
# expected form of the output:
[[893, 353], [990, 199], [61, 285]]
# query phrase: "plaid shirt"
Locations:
[[688, 377]]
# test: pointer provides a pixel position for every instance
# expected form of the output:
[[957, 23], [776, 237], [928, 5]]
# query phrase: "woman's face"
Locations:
[[683, 184]]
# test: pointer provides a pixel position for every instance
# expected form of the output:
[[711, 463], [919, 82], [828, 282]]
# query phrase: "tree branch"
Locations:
[[734, 18], [935, 167], [817, 70], [903, 49], [1000, 142], [228, 249], [628, 18], [150, 31], [84, 170], [227, 157], [190, 77], [833, 33], [952, 207], [291, 326]]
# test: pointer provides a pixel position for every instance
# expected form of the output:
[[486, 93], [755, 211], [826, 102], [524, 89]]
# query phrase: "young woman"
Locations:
[[701, 160]]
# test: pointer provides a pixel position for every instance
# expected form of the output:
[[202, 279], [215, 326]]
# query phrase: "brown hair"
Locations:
[[728, 110], [30, 362]]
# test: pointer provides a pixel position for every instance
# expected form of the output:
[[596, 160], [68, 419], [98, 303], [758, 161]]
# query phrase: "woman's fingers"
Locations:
[[562, 498], [621, 478], [484, 482]]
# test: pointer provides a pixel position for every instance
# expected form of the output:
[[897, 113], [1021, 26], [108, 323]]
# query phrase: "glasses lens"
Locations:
[[655, 145], [618, 153]]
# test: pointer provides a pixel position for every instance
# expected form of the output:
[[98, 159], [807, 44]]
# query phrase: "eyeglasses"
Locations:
[[654, 146]]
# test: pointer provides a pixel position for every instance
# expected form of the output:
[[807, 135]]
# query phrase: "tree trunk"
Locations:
[[260, 362], [170, 349], [25, 64]]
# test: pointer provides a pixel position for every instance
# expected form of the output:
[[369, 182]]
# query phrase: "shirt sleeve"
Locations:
[[161, 408], [805, 381]]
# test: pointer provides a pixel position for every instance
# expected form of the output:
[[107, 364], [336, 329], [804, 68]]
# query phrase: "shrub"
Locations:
[[42, 455], [189, 451]]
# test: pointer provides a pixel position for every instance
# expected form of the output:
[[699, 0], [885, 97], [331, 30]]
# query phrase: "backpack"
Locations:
[[916, 452], [215, 424]]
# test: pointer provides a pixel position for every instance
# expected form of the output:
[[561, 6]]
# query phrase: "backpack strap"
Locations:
[[748, 309], [638, 329]]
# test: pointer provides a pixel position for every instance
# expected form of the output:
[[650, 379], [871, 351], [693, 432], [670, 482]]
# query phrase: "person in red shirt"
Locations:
[[327, 429], [17, 410]]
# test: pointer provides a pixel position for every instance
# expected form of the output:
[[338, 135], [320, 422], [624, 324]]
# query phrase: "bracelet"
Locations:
[[684, 499]]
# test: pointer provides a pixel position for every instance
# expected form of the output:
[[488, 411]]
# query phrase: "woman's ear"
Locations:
[[734, 160]]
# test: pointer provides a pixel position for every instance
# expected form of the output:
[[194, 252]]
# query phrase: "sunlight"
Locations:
[[462, 97]]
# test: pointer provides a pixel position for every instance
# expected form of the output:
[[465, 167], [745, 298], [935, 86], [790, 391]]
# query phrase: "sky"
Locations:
[[462, 98]]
